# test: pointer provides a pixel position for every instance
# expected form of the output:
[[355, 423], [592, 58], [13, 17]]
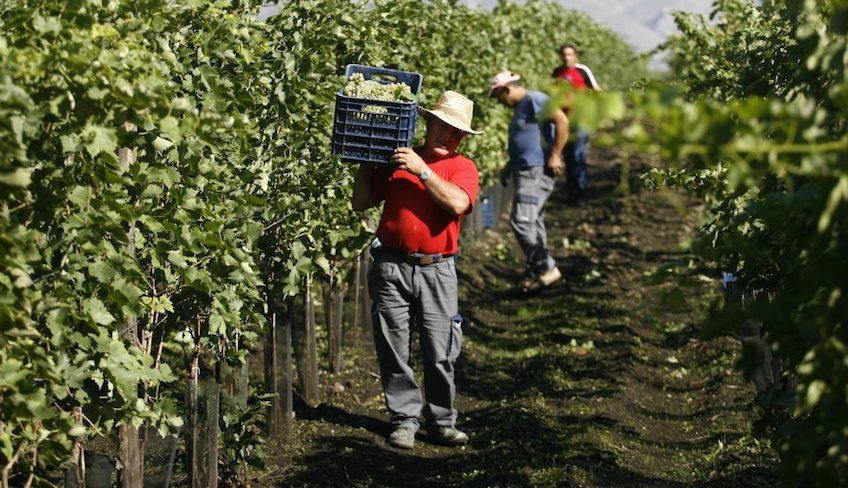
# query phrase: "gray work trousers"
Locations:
[[533, 186], [406, 294]]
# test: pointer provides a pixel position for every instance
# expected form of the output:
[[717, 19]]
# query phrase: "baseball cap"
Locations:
[[501, 80]]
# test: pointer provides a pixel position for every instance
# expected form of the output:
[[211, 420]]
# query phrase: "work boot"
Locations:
[[545, 279], [403, 437], [447, 436], [526, 282]]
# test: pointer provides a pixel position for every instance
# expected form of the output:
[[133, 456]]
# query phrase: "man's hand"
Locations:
[[408, 160], [505, 175], [555, 164]]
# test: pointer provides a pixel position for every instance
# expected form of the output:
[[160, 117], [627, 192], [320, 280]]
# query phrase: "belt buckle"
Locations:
[[424, 260]]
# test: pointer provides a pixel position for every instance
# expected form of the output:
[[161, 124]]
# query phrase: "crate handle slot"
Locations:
[[384, 78], [380, 74]]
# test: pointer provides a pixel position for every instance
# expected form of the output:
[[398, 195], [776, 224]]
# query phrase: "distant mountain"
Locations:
[[642, 23]]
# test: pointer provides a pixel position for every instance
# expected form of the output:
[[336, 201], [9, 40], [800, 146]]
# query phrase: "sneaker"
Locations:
[[545, 279], [447, 436], [402, 437]]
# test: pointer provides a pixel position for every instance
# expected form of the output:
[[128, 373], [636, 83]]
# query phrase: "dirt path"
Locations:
[[589, 383]]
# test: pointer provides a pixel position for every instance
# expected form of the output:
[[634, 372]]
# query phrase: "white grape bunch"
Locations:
[[358, 87], [375, 109]]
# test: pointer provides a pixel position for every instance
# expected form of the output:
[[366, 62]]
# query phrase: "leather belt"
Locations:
[[416, 259]]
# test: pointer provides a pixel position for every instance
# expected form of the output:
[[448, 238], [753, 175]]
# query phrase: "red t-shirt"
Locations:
[[411, 221], [573, 75]]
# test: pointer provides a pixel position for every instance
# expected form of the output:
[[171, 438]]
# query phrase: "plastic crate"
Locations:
[[487, 212], [360, 136]]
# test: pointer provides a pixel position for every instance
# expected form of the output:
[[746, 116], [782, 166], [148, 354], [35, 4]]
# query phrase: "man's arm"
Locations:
[[588, 77], [363, 194], [448, 196], [445, 194], [554, 162], [561, 123]]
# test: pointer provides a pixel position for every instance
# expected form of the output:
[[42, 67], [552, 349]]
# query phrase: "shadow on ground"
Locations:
[[587, 384]]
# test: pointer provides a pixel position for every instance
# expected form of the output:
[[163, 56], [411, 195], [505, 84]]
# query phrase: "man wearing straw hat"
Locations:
[[535, 160], [427, 192]]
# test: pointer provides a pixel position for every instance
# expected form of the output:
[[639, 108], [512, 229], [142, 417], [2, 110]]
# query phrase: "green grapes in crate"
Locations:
[[358, 87], [375, 109]]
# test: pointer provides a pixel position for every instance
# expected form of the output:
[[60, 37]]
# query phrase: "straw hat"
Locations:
[[455, 110]]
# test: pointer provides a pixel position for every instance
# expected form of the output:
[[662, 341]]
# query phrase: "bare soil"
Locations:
[[589, 383]]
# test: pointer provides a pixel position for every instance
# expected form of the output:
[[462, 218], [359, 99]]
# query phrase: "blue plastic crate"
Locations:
[[487, 212], [360, 136]]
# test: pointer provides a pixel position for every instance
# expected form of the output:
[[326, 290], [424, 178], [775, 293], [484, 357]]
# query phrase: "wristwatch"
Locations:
[[425, 175]]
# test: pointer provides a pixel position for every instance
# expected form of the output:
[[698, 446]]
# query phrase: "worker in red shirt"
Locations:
[[427, 192], [576, 151]]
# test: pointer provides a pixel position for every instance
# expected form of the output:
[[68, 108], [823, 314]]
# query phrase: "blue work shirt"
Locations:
[[529, 140]]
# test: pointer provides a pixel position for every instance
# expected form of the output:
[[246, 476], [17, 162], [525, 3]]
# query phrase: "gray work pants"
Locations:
[[533, 186], [406, 294]]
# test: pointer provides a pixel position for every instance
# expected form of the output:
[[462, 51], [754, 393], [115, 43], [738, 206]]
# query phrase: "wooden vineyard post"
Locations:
[[365, 300], [286, 395], [129, 451], [333, 316], [191, 446], [130, 456], [272, 371], [338, 326], [309, 371], [502, 202], [477, 221], [234, 382], [212, 397], [204, 465], [357, 289], [203, 405], [494, 198], [278, 368]]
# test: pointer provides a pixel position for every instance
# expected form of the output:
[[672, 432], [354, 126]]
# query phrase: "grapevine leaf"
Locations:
[[98, 312], [101, 140]]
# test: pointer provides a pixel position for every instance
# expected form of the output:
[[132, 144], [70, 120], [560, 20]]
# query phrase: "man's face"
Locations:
[[568, 56], [503, 96], [442, 138]]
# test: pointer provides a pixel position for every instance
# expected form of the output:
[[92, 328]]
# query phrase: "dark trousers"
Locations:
[[575, 154]]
